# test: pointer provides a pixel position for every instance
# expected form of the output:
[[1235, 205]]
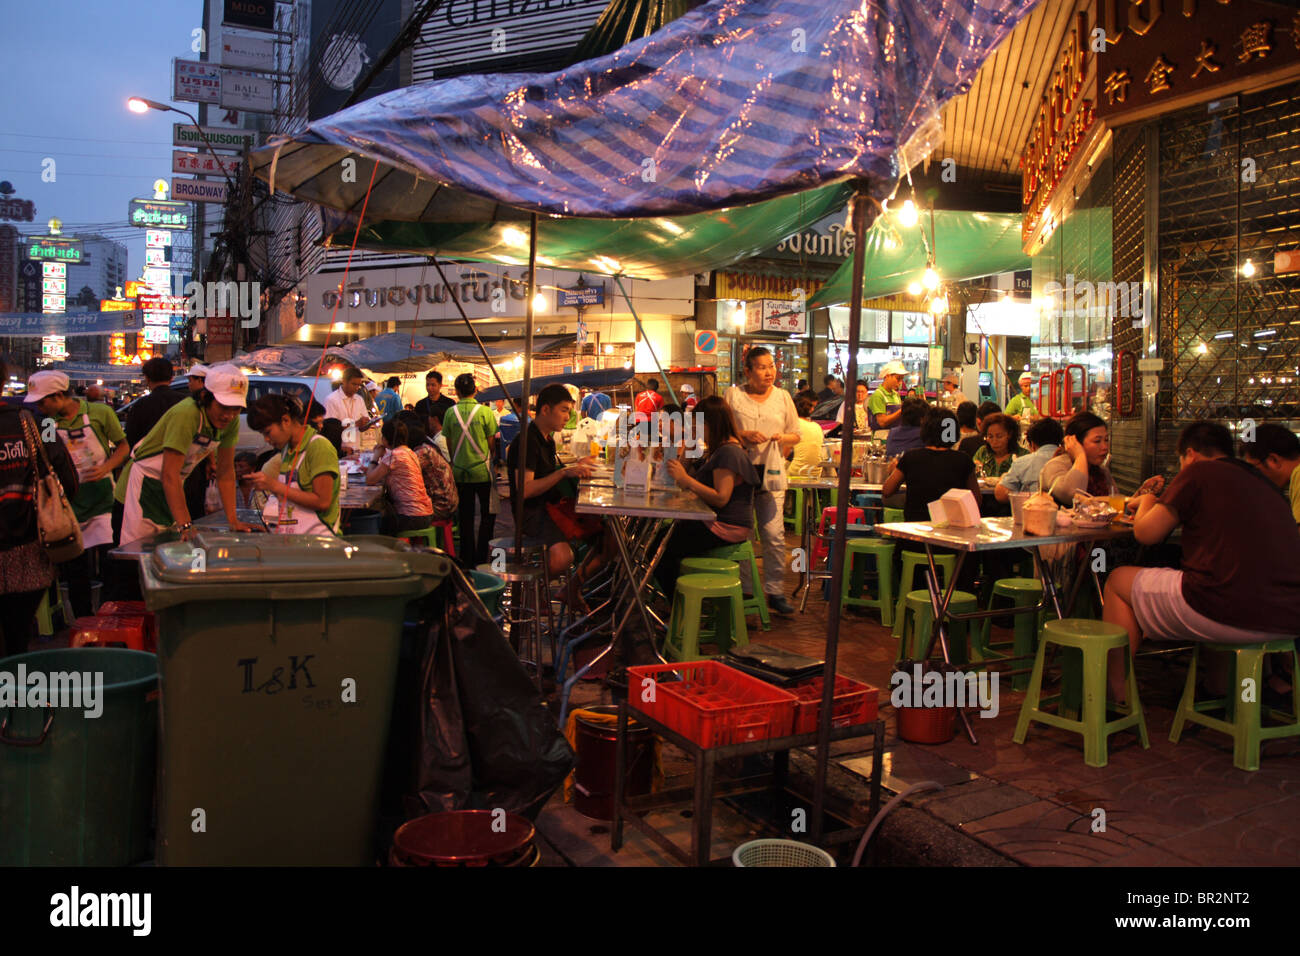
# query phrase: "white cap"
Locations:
[[686, 389], [46, 383], [1026, 377], [371, 386], [197, 371], [893, 368], [228, 385]]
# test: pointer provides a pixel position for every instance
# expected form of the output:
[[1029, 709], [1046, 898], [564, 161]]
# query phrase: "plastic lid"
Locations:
[[222, 557]]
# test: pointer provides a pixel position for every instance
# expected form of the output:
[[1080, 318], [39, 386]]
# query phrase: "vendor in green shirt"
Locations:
[[307, 486], [152, 488], [97, 444], [885, 406], [1021, 407]]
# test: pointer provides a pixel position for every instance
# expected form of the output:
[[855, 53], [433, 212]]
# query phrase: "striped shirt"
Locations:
[[405, 483]]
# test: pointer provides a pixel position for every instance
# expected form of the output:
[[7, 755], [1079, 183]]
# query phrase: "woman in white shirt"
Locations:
[[765, 414]]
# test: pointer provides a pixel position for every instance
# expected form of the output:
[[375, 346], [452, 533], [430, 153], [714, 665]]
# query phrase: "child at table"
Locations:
[[725, 480]]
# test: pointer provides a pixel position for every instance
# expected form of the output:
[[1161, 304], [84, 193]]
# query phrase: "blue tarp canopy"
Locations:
[[733, 103], [600, 378]]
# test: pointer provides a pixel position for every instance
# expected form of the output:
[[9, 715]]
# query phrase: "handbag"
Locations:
[[772, 464], [56, 522]]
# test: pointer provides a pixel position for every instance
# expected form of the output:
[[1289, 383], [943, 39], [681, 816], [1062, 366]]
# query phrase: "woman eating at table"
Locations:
[[398, 469], [1001, 446], [932, 470], [725, 480], [306, 484], [766, 414], [1080, 464]]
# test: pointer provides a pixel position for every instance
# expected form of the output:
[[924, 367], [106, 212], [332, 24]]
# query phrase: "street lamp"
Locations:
[[138, 104]]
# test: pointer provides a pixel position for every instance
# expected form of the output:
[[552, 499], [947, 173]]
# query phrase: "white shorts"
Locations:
[[1162, 613]]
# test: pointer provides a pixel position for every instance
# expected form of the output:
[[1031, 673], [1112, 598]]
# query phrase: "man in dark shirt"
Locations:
[[833, 387], [1240, 576], [144, 414], [972, 444], [543, 472], [436, 401]]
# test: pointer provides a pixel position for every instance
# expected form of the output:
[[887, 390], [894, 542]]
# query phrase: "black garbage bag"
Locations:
[[487, 739]]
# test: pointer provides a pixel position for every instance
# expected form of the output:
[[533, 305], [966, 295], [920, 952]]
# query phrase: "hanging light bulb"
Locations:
[[914, 288], [907, 216], [931, 279], [1248, 268], [939, 305], [539, 302], [1202, 348], [738, 317]]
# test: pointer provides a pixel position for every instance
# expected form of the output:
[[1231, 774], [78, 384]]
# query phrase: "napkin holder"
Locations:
[[662, 477], [961, 508], [637, 473]]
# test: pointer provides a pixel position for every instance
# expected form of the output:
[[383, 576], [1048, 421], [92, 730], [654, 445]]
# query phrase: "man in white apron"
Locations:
[[152, 489], [304, 497], [97, 445]]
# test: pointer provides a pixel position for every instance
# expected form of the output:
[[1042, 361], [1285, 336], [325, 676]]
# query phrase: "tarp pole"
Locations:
[[861, 210], [523, 405], [671, 393]]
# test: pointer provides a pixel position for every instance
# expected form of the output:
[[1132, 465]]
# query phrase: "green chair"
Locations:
[[743, 553], [918, 624], [882, 551], [683, 640], [912, 560], [794, 519], [891, 515], [721, 566], [1243, 719], [1022, 592], [1095, 640], [430, 534]]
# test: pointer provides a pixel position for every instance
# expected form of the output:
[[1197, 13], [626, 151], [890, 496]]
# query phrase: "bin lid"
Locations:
[[219, 557]]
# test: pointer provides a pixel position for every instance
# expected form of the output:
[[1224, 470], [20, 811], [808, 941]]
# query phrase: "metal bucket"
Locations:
[[593, 780]]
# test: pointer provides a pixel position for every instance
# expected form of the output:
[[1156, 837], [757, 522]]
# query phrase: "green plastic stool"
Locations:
[[1244, 718], [1095, 639], [429, 536], [883, 553], [743, 553], [683, 640], [891, 515], [795, 520], [1023, 592], [918, 623], [721, 566], [946, 564]]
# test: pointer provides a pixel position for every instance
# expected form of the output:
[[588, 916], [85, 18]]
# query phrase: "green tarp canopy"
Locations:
[[967, 245], [642, 248]]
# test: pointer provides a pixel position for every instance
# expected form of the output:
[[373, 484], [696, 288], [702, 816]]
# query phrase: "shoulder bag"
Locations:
[[56, 522]]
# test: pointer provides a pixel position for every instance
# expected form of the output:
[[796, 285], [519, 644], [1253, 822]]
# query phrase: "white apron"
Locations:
[[143, 518], [88, 453], [295, 519]]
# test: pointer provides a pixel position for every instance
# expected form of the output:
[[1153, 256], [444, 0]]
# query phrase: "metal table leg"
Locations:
[[620, 770], [939, 604], [702, 818]]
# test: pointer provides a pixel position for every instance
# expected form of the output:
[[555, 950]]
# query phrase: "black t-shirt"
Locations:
[[971, 445], [739, 509], [929, 474], [144, 414], [426, 406], [541, 460]]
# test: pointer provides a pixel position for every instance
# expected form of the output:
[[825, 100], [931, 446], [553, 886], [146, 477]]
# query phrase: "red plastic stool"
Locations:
[[101, 631], [429, 536], [134, 609], [820, 547]]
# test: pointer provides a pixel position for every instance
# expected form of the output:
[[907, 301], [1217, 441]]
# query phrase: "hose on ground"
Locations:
[[884, 812]]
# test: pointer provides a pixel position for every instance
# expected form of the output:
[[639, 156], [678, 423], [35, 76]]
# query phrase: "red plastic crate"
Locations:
[[134, 609], [101, 631], [854, 703], [712, 705]]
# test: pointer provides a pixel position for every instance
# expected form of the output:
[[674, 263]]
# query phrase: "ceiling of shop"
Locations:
[[985, 130]]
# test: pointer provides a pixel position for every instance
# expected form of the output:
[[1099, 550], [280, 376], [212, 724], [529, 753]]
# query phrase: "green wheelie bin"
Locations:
[[277, 658], [77, 781]]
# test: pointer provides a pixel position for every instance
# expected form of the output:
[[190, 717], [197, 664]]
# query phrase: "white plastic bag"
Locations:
[[772, 464]]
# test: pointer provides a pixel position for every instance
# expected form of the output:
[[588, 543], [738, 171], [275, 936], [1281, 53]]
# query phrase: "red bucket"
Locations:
[[464, 838], [926, 725]]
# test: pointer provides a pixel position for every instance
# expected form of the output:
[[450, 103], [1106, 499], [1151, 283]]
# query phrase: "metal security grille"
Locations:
[[1229, 200], [1127, 254]]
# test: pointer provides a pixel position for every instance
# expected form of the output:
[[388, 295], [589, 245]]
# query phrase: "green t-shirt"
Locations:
[[318, 458], [468, 465], [177, 429], [95, 497], [1017, 404], [879, 401], [984, 456], [1295, 493]]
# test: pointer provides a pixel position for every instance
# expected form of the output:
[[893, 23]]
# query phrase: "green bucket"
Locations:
[[78, 790], [489, 588]]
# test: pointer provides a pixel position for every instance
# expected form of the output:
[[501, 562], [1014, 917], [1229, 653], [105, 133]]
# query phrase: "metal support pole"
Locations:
[[636, 318], [862, 209], [528, 381]]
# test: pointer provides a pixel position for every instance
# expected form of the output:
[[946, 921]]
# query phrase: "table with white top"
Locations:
[[633, 518], [996, 534]]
